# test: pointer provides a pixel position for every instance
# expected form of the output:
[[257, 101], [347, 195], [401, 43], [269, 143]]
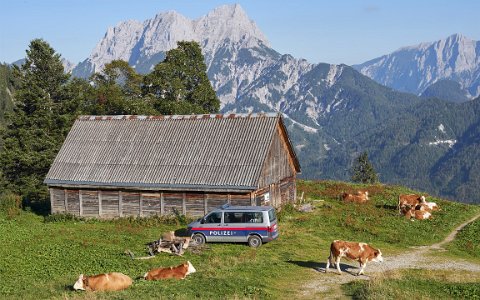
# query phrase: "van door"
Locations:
[[234, 224], [212, 226]]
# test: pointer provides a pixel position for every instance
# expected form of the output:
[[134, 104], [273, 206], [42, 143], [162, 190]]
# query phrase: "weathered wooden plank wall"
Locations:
[[278, 164], [110, 203]]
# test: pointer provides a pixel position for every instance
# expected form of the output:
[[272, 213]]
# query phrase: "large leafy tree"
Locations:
[[179, 84], [36, 128], [363, 170], [118, 90]]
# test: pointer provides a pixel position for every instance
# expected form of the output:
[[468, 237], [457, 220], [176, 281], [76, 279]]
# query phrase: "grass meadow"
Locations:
[[42, 257]]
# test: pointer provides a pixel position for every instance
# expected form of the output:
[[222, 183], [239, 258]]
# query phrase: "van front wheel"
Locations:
[[198, 238], [254, 241]]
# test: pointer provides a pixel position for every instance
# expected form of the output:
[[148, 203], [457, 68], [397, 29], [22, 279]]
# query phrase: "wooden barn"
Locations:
[[114, 166]]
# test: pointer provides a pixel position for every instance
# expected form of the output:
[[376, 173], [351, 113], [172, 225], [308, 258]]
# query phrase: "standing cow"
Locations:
[[361, 252]]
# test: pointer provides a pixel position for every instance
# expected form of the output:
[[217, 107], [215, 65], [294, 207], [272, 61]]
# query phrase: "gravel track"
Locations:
[[419, 258]]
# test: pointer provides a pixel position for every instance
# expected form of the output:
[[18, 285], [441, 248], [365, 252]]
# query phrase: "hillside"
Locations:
[[64, 248], [447, 90]]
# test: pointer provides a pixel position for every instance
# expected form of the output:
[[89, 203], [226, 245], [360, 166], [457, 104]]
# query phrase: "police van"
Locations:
[[243, 224]]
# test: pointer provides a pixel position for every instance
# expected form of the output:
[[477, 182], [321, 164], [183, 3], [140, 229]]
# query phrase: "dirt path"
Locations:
[[419, 257]]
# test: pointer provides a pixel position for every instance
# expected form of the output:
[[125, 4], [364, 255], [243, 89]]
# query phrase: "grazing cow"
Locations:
[[178, 272], [411, 199], [361, 252], [360, 197], [103, 282]]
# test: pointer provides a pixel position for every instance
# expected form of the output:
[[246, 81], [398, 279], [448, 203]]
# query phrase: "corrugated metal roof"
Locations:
[[208, 151]]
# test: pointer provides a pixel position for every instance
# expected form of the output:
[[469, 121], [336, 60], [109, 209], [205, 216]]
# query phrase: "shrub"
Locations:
[[10, 204], [62, 218]]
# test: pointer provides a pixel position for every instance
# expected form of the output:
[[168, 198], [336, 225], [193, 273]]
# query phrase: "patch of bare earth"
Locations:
[[418, 257]]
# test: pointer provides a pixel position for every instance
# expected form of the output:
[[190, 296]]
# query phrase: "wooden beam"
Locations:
[[162, 205], [65, 199], [205, 203], [120, 203], [184, 203], [80, 202], [140, 209], [51, 200], [252, 199], [99, 194]]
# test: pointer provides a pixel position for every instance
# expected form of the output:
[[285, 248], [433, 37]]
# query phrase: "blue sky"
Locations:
[[341, 31]]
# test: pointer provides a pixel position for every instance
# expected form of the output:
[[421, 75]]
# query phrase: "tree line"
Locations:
[[46, 102]]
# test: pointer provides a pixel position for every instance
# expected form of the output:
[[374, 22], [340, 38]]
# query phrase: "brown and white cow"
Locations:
[[418, 213], [103, 282], [178, 272], [411, 200], [429, 206], [359, 197], [360, 252]]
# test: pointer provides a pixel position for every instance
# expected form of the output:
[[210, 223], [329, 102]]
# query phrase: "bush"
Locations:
[[62, 218], [10, 204]]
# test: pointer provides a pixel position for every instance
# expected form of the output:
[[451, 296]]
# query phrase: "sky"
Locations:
[[340, 31]]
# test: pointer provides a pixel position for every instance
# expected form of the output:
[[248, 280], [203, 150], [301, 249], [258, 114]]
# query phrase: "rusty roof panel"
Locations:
[[194, 150]]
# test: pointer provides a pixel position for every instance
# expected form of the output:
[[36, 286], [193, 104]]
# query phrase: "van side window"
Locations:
[[271, 215], [253, 217], [243, 217], [234, 217], [215, 217]]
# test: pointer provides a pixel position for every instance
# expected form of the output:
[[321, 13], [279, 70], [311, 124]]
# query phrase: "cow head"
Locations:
[[190, 269], [80, 284], [377, 256], [422, 199]]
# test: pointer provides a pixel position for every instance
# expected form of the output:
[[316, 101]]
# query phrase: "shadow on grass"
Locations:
[[41, 208], [320, 267], [387, 206]]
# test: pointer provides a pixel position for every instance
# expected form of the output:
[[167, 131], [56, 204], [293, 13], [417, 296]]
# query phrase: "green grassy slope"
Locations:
[[42, 260]]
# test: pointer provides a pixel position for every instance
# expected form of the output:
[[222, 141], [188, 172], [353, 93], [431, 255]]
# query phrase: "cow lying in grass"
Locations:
[[178, 272], [103, 282], [359, 197], [360, 252], [418, 214]]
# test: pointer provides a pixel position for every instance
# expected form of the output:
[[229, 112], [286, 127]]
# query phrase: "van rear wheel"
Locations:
[[198, 238], [254, 241]]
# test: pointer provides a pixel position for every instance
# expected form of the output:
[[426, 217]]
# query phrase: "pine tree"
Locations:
[[179, 84], [363, 170], [35, 130]]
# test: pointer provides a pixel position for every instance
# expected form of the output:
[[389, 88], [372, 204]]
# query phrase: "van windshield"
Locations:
[[271, 215]]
